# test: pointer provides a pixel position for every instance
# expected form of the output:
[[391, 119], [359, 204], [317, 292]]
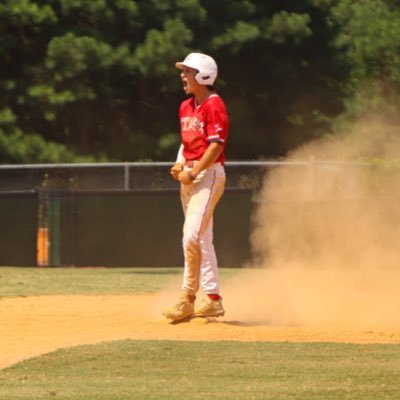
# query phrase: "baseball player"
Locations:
[[200, 170]]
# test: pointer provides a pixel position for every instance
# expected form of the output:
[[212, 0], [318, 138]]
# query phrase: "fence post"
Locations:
[[42, 238], [53, 218], [48, 233], [126, 176]]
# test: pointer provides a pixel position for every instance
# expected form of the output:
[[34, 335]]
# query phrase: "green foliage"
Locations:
[[154, 57], [168, 143], [99, 77], [369, 35], [26, 13], [7, 117], [16, 147], [289, 25], [237, 36], [93, 7], [70, 55]]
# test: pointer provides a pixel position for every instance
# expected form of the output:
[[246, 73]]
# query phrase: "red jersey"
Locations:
[[203, 124]]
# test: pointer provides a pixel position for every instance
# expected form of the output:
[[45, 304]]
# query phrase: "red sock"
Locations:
[[192, 298], [213, 296]]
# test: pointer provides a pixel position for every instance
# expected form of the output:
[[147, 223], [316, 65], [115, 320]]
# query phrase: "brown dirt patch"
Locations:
[[31, 326]]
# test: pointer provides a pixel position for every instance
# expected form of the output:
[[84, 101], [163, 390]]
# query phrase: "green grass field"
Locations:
[[187, 370], [52, 281], [207, 370]]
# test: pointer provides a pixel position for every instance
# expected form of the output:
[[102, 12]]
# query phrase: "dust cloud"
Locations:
[[326, 235]]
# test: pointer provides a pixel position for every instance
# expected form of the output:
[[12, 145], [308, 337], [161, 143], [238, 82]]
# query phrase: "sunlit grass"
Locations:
[[208, 370], [21, 281]]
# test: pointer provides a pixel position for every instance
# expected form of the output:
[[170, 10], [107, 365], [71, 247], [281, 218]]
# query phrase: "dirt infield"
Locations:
[[31, 326]]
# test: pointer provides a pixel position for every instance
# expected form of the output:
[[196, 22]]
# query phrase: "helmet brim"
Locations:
[[182, 65]]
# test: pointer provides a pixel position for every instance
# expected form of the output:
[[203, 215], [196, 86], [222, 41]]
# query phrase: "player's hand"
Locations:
[[184, 177], [175, 170]]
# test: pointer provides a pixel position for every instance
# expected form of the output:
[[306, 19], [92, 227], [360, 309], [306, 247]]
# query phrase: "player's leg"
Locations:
[[211, 305], [209, 263], [184, 307], [199, 200], [193, 206], [195, 198]]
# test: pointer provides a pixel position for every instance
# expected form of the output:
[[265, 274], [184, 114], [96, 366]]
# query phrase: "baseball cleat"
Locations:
[[209, 308], [182, 309]]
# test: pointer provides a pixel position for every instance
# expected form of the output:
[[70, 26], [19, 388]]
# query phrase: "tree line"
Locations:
[[94, 80]]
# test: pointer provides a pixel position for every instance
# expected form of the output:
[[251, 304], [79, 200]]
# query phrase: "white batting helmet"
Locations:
[[205, 64]]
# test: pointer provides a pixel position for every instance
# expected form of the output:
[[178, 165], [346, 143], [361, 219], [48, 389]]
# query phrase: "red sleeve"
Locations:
[[217, 122]]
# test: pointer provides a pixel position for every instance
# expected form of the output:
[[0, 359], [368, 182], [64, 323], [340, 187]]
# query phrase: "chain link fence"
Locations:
[[128, 214], [110, 177], [154, 176]]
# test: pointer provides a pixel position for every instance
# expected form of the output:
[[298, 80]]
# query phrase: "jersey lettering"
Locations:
[[192, 124]]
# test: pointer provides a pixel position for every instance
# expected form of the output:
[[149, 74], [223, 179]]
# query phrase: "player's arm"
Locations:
[[179, 163], [209, 157]]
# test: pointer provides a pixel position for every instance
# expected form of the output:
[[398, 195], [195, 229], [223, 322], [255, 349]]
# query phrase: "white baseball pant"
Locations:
[[199, 200]]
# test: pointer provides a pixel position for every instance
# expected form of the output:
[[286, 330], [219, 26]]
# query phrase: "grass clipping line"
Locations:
[[326, 236]]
